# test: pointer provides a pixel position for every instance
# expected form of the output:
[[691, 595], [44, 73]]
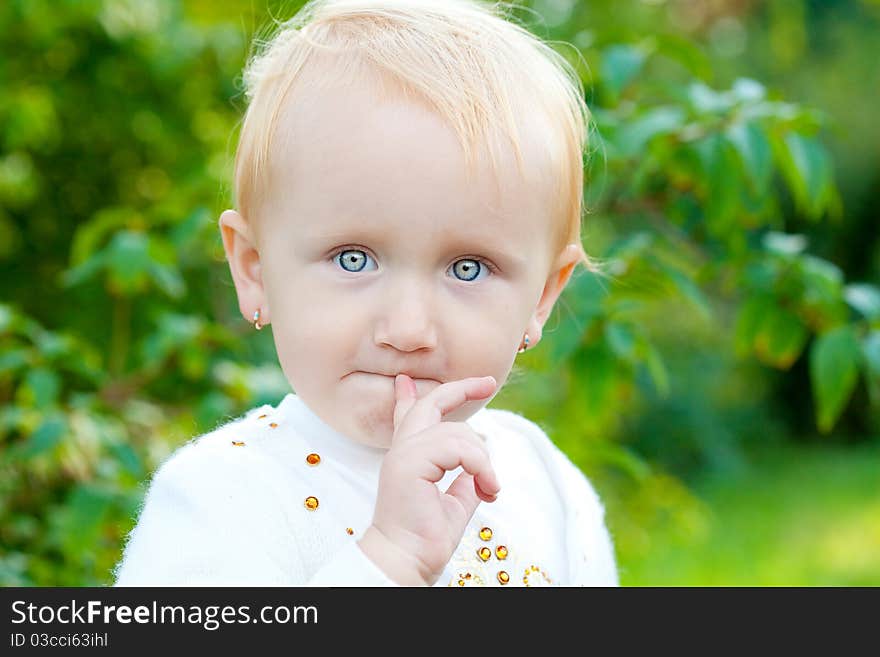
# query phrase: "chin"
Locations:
[[374, 429]]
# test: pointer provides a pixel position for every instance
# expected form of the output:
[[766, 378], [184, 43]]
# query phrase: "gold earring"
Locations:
[[524, 345], [257, 324]]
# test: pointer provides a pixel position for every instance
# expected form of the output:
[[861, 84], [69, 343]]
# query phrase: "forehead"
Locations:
[[345, 158]]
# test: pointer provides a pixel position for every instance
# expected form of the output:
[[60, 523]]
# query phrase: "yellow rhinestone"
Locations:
[[313, 459], [503, 577], [350, 531], [311, 502], [461, 582], [501, 552], [262, 416], [484, 553], [238, 443], [273, 424], [486, 533]]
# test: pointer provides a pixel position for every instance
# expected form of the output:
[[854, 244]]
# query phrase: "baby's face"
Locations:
[[378, 257]]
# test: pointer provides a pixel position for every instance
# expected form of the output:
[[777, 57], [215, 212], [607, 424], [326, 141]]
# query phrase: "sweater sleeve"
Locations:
[[350, 567], [202, 525], [207, 520], [589, 547]]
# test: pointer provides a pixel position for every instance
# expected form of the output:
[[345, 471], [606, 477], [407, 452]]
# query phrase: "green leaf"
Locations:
[[129, 459], [864, 298], [6, 316], [45, 438], [12, 360], [620, 64], [91, 233], [834, 365], [780, 337], [748, 91], [622, 340], [632, 137], [753, 149], [629, 246], [83, 272], [723, 179], [822, 283], [871, 353], [685, 52], [706, 100], [748, 322], [129, 262], [686, 286], [168, 279], [560, 343], [41, 387], [163, 268], [657, 369], [808, 169], [79, 524], [783, 244]]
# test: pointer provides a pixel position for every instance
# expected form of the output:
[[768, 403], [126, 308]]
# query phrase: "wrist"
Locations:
[[395, 562]]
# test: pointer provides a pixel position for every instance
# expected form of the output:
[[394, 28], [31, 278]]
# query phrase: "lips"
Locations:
[[392, 376]]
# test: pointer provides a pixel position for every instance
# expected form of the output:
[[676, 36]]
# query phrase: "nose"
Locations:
[[407, 321]]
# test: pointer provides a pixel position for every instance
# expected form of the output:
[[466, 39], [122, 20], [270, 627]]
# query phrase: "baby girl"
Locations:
[[408, 193]]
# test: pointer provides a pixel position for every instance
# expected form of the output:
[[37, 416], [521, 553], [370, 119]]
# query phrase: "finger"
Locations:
[[433, 458], [445, 398], [468, 493], [424, 445], [404, 398]]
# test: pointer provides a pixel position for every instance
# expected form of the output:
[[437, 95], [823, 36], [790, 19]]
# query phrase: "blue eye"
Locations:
[[354, 261], [355, 258], [469, 268]]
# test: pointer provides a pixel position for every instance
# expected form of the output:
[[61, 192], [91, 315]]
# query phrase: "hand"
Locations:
[[416, 527]]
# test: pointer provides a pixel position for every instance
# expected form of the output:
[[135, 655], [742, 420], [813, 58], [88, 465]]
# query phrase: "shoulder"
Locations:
[[231, 456], [529, 435], [211, 503], [588, 541]]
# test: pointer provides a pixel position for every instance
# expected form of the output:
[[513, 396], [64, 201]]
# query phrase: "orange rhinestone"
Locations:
[[262, 416], [273, 424], [467, 576], [486, 533], [311, 502], [238, 443], [503, 577], [484, 553], [501, 552], [313, 459], [350, 531]]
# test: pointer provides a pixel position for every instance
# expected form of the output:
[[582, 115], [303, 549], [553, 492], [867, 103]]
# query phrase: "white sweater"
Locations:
[[229, 509]]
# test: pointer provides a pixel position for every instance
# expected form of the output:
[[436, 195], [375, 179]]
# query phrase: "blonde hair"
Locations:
[[473, 66]]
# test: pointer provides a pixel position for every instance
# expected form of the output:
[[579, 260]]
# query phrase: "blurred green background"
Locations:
[[720, 387]]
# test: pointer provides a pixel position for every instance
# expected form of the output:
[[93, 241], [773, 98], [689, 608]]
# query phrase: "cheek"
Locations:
[[309, 338]]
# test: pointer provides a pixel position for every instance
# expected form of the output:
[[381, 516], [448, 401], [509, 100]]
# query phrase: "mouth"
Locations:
[[392, 376]]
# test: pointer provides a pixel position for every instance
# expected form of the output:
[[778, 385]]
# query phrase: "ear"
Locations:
[[244, 264], [560, 273]]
